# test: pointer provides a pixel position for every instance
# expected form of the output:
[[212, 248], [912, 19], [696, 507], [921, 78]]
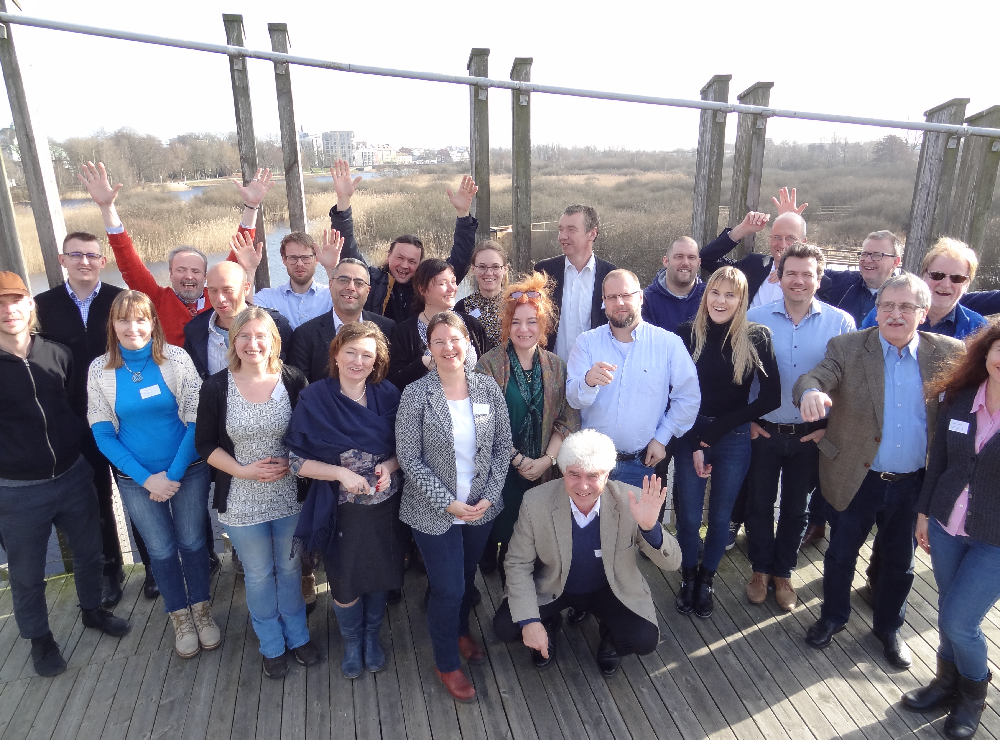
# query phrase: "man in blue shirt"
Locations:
[[302, 297], [783, 444], [675, 293]]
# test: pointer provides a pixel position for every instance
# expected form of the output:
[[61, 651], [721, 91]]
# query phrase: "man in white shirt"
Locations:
[[302, 297]]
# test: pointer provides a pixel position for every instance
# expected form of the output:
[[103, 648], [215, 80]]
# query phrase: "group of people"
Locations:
[[352, 422]]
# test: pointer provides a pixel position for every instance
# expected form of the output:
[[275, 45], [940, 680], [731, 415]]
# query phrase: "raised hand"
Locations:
[[95, 179], [461, 199], [253, 193], [343, 185], [787, 202], [248, 255], [329, 249], [646, 511], [752, 223]]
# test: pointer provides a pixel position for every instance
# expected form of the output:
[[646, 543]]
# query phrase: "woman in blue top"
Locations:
[[142, 405]]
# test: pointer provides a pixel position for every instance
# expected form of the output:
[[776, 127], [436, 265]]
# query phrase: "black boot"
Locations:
[[111, 594], [46, 657], [552, 626], [685, 596], [608, 659], [703, 602], [149, 588], [105, 621], [940, 692], [969, 705]]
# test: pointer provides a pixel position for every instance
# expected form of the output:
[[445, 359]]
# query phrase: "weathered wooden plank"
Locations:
[[143, 612], [248, 688], [120, 716], [748, 160], [103, 697], [10, 699], [976, 181], [221, 719], [318, 723], [521, 166], [149, 696], [708, 163], [403, 655], [76, 704], [269, 709], [291, 156], [172, 710], [11, 254], [27, 708], [59, 689], [293, 702], [388, 688], [479, 140]]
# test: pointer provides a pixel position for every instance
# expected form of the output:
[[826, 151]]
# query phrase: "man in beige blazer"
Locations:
[[873, 454], [574, 545]]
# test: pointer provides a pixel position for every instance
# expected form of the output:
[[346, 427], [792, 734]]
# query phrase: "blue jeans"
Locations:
[[172, 527], [890, 506], [730, 460], [274, 584], [632, 472], [451, 560], [967, 572]]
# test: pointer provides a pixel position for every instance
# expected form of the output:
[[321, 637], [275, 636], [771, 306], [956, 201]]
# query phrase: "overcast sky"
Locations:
[[866, 58]]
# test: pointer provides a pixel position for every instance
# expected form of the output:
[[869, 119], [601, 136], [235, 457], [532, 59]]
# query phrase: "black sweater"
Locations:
[[721, 398], [210, 432], [406, 364], [39, 431]]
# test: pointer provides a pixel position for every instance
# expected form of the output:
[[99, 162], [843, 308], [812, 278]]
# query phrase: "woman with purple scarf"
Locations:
[[342, 436]]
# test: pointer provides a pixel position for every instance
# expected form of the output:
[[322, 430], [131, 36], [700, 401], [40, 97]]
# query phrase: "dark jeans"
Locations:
[[741, 505], [105, 497], [817, 507], [891, 507], [629, 632], [730, 459], [797, 464], [451, 560], [27, 514]]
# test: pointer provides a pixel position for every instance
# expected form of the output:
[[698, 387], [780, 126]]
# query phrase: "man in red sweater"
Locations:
[[186, 297]]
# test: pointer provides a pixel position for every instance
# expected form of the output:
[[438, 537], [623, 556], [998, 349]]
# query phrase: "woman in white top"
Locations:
[[454, 444]]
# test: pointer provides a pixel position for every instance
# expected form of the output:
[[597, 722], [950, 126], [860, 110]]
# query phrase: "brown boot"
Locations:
[[757, 588], [784, 594], [814, 533], [471, 650], [458, 685]]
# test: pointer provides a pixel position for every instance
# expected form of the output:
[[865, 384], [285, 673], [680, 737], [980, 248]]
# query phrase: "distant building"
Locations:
[[338, 145], [459, 153], [371, 155], [311, 146]]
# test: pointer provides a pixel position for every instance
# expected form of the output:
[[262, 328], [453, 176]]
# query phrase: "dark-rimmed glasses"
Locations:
[[78, 256]]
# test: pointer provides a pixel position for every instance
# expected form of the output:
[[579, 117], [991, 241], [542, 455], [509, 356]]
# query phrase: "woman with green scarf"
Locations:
[[534, 385]]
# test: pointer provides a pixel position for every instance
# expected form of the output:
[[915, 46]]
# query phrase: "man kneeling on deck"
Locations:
[[565, 553]]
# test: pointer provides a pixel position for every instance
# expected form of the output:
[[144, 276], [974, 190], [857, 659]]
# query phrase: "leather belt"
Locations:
[[630, 456], [799, 430], [896, 477]]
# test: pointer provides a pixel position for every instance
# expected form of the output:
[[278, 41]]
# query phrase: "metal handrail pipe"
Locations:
[[486, 82]]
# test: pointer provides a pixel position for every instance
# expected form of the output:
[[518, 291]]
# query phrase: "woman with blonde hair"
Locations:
[[244, 413], [489, 265], [729, 352], [142, 406]]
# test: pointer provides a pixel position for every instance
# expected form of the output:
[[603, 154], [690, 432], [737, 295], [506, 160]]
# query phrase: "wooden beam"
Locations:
[[927, 186], [748, 160], [294, 189], [976, 180], [479, 140], [36, 159], [246, 141], [708, 163], [521, 169], [11, 254]]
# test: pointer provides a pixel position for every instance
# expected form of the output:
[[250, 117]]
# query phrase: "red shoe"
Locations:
[[471, 650], [458, 685]]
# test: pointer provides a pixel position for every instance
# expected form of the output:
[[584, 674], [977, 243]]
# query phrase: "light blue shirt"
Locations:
[[85, 304], [903, 448], [298, 308], [655, 389], [798, 349]]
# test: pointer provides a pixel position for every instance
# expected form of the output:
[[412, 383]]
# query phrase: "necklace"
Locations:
[[136, 375], [358, 399]]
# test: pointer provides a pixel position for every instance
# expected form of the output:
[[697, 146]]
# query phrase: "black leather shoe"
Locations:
[[895, 650], [552, 626], [105, 621], [576, 616], [821, 633], [685, 595], [608, 659], [45, 656], [149, 588], [939, 693], [111, 594], [704, 604]]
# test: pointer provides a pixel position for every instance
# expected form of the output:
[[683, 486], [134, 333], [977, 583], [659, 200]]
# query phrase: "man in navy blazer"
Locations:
[[578, 276]]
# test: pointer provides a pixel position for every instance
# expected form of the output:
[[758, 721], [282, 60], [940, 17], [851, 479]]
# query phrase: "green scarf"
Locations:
[[528, 438]]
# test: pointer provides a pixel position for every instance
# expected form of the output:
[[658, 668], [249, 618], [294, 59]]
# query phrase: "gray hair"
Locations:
[[351, 261], [884, 235], [910, 282], [184, 250], [592, 451]]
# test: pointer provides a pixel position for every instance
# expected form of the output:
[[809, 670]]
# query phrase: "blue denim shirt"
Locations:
[[904, 420]]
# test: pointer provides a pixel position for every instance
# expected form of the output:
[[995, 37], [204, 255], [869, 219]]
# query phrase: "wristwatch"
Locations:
[[552, 459]]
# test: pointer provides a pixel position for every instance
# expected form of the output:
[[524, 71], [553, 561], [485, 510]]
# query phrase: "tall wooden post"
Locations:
[[246, 141], [927, 186], [291, 157], [11, 255], [748, 161], [479, 140], [977, 178], [521, 166], [33, 145], [708, 163]]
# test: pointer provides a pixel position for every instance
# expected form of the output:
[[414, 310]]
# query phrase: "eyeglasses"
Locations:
[[442, 343], [346, 281], [904, 308], [776, 239], [525, 293], [874, 256], [78, 256], [956, 279], [301, 259], [623, 297], [487, 269]]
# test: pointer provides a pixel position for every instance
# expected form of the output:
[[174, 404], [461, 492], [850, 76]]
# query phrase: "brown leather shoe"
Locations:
[[784, 594], [757, 588], [814, 533], [471, 650], [458, 685]]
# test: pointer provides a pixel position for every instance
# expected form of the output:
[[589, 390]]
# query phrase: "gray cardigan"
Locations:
[[425, 447], [954, 464]]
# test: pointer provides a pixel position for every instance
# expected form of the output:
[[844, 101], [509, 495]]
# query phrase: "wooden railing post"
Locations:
[[977, 177], [708, 163], [11, 254], [927, 187], [291, 157], [479, 140], [521, 166], [748, 160], [246, 141], [33, 146]]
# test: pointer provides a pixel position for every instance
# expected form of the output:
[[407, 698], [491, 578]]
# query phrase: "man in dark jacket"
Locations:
[[675, 294], [391, 292], [44, 480]]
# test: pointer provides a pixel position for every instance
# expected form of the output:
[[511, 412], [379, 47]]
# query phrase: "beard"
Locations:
[[190, 295], [624, 322]]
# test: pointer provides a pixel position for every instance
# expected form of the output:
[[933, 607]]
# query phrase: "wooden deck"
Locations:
[[744, 673]]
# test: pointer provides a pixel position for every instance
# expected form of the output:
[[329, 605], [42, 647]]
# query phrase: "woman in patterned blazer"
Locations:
[[454, 444]]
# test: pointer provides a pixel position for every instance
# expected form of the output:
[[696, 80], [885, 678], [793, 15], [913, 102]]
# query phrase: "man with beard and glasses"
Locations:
[[674, 295]]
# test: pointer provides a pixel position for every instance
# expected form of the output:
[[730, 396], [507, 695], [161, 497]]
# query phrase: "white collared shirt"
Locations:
[[218, 345], [577, 300], [582, 520], [768, 292]]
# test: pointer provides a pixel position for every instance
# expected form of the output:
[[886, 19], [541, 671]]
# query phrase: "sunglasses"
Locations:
[[528, 294], [956, 279]]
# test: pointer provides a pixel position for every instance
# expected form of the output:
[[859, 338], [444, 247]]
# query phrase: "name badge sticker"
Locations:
[[480, 409], [597, 554], [154, 390], [962, 427], [475, 313]]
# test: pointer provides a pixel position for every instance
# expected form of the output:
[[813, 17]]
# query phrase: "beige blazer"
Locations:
[[853, 375], [541, 550]]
